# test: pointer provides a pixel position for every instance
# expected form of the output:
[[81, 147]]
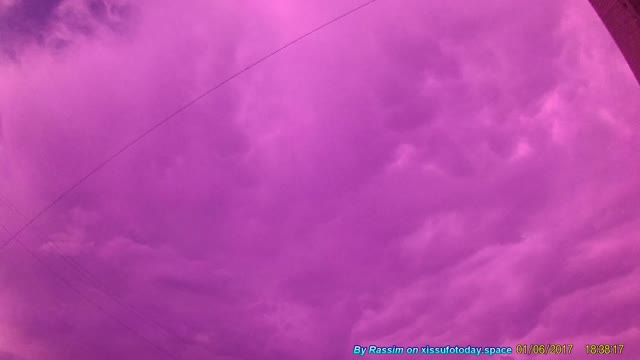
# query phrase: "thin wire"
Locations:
[[165, 120], [88, 299], [100, 285], [79, 267]]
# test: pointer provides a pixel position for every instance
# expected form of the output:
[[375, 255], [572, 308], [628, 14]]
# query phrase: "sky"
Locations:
[[437, 172]]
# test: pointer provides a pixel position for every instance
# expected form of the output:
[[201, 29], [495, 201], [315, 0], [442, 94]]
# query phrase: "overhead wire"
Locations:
[[154, 127], [94, 281], [13, 237], [52, 271]]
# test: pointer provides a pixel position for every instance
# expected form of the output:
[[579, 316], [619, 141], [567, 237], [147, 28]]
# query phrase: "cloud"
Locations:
[[57, 24], [438, 172]]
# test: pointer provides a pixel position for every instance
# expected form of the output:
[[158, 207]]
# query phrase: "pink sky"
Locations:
[[422, 172]]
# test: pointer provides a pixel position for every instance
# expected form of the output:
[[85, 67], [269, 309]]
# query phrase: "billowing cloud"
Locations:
[[419, 173]]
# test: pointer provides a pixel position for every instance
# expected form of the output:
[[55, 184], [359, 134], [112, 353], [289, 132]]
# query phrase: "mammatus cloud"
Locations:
[[426, 172]]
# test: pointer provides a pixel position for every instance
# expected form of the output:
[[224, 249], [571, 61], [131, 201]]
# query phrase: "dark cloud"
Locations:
[[55, 24]]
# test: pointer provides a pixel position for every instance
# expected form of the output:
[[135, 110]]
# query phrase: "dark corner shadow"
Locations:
[[622, 19]]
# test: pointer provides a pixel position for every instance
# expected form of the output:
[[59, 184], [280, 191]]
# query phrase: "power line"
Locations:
[[165, 120], [98, 284], [89, 300], [14, 237]]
